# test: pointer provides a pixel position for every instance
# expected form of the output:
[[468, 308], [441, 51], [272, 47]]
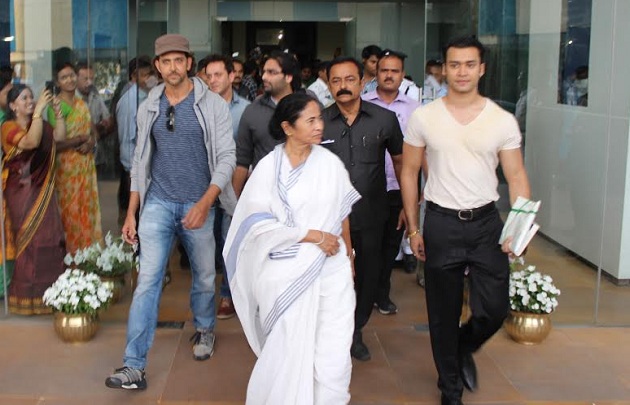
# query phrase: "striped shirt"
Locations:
[[180, 161]]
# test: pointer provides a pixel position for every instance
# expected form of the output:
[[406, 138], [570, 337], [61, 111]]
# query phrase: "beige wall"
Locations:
[[578, 157]]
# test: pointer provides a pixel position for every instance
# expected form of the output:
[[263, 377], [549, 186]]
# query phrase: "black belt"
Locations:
[[464, 215]]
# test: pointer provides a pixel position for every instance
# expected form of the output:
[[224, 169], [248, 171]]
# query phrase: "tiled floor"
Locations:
[[575, 365]]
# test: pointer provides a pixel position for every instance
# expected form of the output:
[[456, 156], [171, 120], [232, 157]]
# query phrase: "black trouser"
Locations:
[[367, 244], [451, 246], [391, 245]]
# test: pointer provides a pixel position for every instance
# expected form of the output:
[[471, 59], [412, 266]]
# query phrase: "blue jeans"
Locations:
[[222, 225], [160, 222]]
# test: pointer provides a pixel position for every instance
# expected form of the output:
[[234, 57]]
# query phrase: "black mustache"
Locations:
[[344, 91]]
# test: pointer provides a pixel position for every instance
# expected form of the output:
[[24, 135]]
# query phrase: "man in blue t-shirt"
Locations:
[[183, 163]]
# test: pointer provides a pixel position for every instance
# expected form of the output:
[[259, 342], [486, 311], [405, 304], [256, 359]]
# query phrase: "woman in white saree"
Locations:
[[289, 262]]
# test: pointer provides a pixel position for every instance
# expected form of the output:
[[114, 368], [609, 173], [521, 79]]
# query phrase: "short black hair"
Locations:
[[344, 59], [61, 66], [289, 65], [323, 65], [6, 75], [250, 66], [288, 109], [82, 65], [12, 95], [201, 65], [370, 50], [141, 62], [468, 41], [240, 62], [215, 57], [391, 53]]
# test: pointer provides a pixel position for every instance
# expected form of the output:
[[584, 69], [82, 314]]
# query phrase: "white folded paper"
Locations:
[[520, 225]]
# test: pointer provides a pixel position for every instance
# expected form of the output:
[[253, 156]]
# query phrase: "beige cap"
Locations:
[[171, 43]]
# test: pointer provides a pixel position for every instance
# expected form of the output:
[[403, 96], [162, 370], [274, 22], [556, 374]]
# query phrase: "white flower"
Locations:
[[73, 289], [531, 291]]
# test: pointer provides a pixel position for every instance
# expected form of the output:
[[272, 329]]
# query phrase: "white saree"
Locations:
[[295, 304]]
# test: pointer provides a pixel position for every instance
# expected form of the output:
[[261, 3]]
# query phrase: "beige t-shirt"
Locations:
[[462, 159]]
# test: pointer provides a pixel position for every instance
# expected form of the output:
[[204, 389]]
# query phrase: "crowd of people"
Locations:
[[50, 200], [305, 183]]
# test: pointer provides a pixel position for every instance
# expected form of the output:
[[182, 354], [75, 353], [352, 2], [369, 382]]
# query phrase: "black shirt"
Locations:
[[253, 141], [361, 147]]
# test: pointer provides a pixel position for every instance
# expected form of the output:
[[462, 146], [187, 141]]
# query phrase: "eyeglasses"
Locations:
[[271, 72], [170, 121]]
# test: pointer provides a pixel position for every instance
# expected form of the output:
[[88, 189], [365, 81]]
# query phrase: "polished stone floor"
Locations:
[[577, 364]]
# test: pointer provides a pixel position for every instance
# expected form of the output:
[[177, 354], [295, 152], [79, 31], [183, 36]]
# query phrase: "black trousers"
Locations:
[[451, 246], [391, 245], [367, 244]]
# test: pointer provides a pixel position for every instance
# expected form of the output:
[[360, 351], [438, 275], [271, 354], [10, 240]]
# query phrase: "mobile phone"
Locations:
[[50, 86]]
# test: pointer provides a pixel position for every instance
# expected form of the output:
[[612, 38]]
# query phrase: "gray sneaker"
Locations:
[[203, 344], [127, 378]]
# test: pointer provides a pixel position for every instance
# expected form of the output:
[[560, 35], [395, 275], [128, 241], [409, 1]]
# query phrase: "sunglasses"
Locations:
[[170, 120]]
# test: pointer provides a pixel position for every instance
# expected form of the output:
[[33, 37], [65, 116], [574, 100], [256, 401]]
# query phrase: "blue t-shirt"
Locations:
[[179, 165]]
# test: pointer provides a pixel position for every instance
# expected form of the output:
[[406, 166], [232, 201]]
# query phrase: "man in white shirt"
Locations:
[[369, 57], [434, 84], [464, 137], [320, 86]]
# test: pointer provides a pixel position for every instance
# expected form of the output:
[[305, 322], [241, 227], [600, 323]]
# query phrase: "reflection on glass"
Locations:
[[575, 44]]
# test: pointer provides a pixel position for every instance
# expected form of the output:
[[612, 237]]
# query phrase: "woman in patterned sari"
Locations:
[[33, 220], [77, 189], [5, 85]]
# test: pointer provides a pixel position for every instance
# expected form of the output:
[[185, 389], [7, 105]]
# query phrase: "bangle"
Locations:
[[323, 237], [352, 254], [36, 116], [412, 234]]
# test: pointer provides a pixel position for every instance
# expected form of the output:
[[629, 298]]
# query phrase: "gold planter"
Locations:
[[75, 328], [116, 284], [526, 328]]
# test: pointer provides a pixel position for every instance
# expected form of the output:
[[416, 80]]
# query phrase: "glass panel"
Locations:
[[522, 76], [609, 93], [555, 140], [575, 46]]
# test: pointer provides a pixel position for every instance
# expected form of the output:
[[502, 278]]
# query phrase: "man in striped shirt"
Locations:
[[183, 163]]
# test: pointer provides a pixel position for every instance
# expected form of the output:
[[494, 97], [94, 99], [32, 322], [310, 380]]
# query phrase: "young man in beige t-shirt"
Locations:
[[464, 136]]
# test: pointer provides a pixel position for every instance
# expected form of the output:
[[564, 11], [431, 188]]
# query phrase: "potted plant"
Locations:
[[76, 297], [533, 296], [110, 261]]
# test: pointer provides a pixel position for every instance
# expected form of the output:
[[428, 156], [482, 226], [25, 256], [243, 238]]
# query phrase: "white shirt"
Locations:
[[320, 88], [462, 159], [409, 89]]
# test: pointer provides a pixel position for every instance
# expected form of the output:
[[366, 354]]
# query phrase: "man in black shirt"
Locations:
[[281, 77], [359, 133]]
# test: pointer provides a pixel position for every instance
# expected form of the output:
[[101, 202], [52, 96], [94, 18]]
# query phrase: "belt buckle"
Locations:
[[465, 215]]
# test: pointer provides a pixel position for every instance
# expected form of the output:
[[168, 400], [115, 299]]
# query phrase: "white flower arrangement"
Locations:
[[532, 292], [114, 259], [77, 292]]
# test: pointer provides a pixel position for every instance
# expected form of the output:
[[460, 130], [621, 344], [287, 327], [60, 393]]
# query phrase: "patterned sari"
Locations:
[[77, 188], [8, 242], [36, 233]]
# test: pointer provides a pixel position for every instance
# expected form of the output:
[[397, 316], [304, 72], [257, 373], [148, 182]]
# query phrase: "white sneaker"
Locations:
[[203, 344]]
